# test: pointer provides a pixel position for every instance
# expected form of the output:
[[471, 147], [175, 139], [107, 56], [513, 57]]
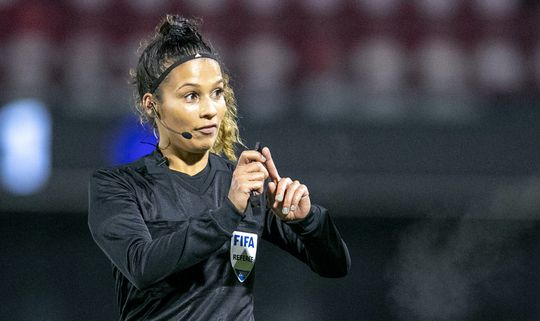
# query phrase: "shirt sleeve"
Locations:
[[118, 228], [314, 240]]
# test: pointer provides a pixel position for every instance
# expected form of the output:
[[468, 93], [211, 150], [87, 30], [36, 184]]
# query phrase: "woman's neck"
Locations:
[[185, 162]]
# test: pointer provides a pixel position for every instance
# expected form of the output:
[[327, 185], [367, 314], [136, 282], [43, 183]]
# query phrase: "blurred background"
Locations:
[[415, 122]]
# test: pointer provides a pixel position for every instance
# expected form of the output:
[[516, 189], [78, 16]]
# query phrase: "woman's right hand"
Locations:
[[249, 175]]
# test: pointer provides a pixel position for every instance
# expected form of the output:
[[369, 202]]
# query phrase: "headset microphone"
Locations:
[[186, 135]]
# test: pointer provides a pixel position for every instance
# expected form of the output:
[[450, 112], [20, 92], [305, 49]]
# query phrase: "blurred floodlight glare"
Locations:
[[442, 66], [6, 3], [90, 5], [323, 7], [145, 6], [379, 8], [207, 6], [500, 65], [25, 146], [85, 72], [27, 64], [130, 140], [497, 9], [379, 65], [438, 8], [264, 7]]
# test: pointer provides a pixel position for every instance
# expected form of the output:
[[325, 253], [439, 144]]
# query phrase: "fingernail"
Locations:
[[285, 211], [293, 208], [264, 159], [279, 197]]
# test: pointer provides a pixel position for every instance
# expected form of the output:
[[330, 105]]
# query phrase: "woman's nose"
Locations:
[[208, 108]]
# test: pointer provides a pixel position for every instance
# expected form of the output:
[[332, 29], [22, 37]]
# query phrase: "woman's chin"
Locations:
[[203, 146], [196, 145]]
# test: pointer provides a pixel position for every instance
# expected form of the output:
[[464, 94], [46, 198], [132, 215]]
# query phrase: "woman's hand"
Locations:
[[290, 199], [248, 176]]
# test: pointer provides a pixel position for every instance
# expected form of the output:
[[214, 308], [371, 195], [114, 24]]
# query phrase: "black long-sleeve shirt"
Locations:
[[169, 240]]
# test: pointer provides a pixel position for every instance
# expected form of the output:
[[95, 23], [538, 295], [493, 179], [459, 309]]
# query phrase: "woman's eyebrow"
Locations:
[[220, 81]]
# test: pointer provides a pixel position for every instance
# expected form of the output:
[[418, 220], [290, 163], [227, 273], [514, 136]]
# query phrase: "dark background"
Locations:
[[415, 122]]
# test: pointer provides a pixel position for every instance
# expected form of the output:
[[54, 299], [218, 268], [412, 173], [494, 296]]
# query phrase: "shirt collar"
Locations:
[[156, 162]]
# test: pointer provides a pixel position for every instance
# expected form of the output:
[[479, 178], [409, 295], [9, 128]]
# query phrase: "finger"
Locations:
[[289, 194], [260, 186], [270, 165], [301, 191], [249, 156], [248, 186], [270, 192], [272, 187], [256, 176], [256, 167], [249, 182], [281, 188]]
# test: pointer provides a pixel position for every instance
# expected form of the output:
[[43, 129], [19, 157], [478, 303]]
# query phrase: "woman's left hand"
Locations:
[[290, 199]]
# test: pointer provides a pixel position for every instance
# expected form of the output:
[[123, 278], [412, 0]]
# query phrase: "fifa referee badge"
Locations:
[[243, 253]]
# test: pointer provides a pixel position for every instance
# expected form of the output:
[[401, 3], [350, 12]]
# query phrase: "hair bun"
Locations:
[[175, 26]]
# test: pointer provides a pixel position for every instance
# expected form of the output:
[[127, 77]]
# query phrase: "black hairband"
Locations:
[[158, 81]]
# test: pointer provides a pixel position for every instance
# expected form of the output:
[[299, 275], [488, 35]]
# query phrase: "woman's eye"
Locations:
[[218, 93], [191, 97]]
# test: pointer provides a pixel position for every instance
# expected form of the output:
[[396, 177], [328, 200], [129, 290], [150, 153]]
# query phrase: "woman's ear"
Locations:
[[149, 106]]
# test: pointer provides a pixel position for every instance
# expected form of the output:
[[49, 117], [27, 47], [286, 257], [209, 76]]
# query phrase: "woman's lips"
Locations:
[[208, 130]]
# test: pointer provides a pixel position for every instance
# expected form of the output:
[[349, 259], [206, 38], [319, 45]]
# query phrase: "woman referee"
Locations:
[[181, 225]]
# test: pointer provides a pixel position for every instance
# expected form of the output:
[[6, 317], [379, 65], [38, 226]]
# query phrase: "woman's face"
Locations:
[[192, 100]]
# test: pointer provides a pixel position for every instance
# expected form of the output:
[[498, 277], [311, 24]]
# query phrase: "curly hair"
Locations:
[[176, 37]]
